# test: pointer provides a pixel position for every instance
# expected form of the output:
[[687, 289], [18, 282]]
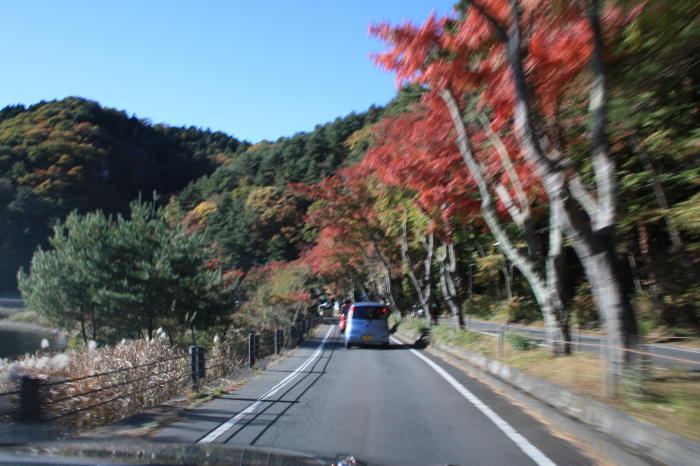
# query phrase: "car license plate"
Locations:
[[367, 337]]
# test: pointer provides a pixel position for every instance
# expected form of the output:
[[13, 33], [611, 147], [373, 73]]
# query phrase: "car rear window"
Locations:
[[369, 312]]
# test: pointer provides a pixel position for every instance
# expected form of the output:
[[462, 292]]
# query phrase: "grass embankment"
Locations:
[[28, 317], [668, 398], [22, 315]]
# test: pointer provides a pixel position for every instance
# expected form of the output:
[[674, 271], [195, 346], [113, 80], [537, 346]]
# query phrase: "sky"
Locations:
[[257, 70]]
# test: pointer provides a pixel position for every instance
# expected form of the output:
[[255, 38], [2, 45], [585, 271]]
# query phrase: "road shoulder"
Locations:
[[600, 446]]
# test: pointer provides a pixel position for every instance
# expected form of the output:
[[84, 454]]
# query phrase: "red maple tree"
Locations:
[[504, 67]]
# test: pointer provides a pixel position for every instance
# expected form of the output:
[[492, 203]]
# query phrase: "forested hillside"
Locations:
[[245, 206], [182, 262], [73, 154]]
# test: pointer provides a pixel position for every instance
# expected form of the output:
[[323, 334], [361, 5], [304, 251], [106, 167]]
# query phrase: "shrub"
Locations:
[[520, 342]]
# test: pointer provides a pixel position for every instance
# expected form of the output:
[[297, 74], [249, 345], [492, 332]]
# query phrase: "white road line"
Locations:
[[529, 449], [674, 348], [219, 431]]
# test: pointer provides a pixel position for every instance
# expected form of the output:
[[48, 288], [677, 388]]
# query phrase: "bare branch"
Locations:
[[513, 209], [502, 151]]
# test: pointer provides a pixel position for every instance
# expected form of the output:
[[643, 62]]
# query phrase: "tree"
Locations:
[[73, 154], [278, 294], [485, 53], [344, 213], [121, 277]]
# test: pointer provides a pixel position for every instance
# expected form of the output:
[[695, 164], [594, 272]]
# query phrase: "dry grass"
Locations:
[[29, 317], [667, 398], [154, 372]]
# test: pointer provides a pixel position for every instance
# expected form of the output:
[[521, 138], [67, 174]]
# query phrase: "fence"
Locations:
[[107, 396], [636, 376], [576, 345]]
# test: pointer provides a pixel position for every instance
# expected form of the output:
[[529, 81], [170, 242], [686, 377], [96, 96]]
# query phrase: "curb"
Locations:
[[658, 444]]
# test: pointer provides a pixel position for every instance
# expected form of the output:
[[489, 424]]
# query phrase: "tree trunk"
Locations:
[[507, 279], [424, 286], [547, 299], [387, 279], [609, 295], [448, 272], [94, 324], [673, 232], [82, 326], [556, 268]]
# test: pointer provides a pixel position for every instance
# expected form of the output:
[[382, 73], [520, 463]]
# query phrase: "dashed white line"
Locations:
[[219, 431], [529, 449]]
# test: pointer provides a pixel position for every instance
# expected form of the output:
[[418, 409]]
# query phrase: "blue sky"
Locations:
[[256, 70]]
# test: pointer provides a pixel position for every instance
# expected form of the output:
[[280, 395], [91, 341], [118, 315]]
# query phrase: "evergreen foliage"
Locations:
[[124, 277], [72, 154]]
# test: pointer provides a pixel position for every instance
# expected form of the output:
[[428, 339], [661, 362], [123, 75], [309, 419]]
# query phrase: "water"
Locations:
[[15, 342]]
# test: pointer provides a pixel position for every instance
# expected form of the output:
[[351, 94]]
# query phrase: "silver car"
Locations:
[[367, 325]]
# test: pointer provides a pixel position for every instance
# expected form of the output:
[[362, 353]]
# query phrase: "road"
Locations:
[[384, 406], [677, 353]]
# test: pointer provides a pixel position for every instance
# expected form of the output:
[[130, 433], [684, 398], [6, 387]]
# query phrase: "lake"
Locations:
[[16, 340]]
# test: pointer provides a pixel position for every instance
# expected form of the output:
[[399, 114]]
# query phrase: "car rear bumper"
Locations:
[[359, 340]]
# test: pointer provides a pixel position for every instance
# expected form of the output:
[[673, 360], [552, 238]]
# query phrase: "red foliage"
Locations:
[[418, 152], [349, 226], [466, 55], [233, 276], [331, 256]]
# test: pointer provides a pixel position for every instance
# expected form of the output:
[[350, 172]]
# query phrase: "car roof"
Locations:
[[368, 303]]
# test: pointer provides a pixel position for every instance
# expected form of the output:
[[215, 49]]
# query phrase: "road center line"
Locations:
[[529, 449], [219, 431], [674, 348]]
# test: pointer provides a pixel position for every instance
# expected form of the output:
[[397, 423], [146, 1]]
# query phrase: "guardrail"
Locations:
[[602, 347], [114, 394], [639, 373]]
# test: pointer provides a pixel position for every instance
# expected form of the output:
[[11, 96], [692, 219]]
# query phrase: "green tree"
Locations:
[[121, 277]]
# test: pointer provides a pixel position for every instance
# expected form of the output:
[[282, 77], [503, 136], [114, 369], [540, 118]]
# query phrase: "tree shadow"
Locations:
[[423, 340]]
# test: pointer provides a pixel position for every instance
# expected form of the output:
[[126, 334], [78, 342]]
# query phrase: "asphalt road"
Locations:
[[384, 406], [662, 350]]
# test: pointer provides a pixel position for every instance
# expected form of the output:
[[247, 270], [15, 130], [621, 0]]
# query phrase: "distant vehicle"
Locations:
[[417, 311], [343, 316], [367, 325], [325, 309]]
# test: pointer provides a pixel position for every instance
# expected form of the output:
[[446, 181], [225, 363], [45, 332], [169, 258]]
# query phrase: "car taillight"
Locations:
[[384, 310]]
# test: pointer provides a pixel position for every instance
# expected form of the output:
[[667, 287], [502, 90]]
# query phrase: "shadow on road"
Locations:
[[423, 340], [309, 377]]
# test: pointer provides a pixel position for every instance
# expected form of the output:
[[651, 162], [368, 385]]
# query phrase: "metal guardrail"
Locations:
[[577, 343]]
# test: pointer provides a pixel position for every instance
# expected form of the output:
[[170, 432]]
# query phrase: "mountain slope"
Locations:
[[74, 154]]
